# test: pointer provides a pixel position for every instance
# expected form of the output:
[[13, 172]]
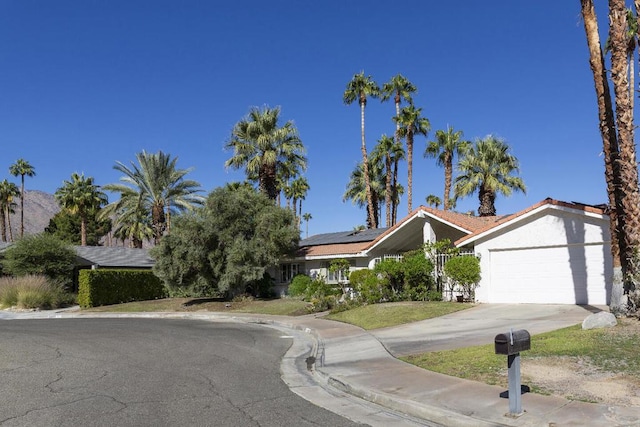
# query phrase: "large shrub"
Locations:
[[106, 286], [32, 291], [41, 254], [464, 271], [410, 278], [299, 284]]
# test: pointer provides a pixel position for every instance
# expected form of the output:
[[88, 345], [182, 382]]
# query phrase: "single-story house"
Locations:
[[552, 252]]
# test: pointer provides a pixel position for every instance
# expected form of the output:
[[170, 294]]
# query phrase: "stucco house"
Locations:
[[552, 252]]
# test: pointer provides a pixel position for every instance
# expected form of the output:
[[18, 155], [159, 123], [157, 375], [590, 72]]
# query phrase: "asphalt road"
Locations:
[[147, 372]]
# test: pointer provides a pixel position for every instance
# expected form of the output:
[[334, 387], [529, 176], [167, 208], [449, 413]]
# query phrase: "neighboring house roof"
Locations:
[[109, 256], [338, 244], [548, 203]]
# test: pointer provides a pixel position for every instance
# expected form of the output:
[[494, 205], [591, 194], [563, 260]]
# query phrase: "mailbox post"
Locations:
[[511, 344]]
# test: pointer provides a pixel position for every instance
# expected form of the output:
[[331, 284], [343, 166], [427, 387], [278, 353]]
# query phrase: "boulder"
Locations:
[[599, 320]]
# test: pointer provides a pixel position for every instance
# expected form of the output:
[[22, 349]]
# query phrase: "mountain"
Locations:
[[39, 208]]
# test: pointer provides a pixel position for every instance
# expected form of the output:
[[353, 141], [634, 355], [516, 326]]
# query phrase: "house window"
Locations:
[[337, 276], [288, 271]]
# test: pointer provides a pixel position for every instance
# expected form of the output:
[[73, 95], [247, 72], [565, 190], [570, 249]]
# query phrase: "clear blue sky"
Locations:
[[84, 84]]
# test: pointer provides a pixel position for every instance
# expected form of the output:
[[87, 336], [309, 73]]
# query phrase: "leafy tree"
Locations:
[[80, 196], [22, 168], [340, 267], [225, 245], [411, 124], [8, 192], [358, 89], [489, 168], [464, 271], [446, 146], [156, 186], [266, 150], [67, 227], [40, 254]]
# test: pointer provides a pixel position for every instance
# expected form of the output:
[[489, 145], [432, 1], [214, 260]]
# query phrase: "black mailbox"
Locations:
[[513, 342]]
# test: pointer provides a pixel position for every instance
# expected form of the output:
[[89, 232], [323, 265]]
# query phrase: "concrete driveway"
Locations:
[[478, 325]]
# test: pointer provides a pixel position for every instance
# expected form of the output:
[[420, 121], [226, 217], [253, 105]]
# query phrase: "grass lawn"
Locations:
[[376, 316], [613, 350], [284, 306]]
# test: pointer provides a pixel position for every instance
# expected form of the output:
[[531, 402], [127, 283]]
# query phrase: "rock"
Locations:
[[599, 320]]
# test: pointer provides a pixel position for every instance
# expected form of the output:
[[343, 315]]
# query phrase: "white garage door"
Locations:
[[556, 275]]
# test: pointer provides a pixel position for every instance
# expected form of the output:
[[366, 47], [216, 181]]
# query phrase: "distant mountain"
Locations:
[[39, 208]]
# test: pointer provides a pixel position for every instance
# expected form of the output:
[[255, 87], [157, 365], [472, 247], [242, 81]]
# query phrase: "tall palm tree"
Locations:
[[383, 150], [489, 168], [22, 168], [263, 148], [401, 89], [444, 148], [358, 89], [8, 192], [411, 124], [433, 200], [356, 188], [300, 188], [307, 217], [397, 190], [80, 196], [620, 250], [160, 187]]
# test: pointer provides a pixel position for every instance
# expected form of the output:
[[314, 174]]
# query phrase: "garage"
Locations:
[[571, 274]]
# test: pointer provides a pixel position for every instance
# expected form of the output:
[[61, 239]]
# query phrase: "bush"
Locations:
[[464, 271], [299, 284], [41, 254], [32, 291], [104, 287]]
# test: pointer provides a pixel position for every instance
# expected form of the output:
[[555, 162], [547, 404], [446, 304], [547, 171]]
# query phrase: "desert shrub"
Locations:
[[33, 291], [299, 284], [41, 254], [464, 271]]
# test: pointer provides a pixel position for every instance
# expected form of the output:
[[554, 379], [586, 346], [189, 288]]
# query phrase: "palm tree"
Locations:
[[23, 168], [356, 188], [433, 200], [263, 148], [411, 124], [489, 168], [300, 188], [383, 150], [8, 192], [397, 190], [80, 196], [358, 89], [307, 217], [444, 148], [620, 248], [157, 186]]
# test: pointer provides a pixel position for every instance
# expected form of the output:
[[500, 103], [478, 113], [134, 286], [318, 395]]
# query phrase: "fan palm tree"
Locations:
[[263, 148], [433, 200], [300, 188], [8, 192], [444, 148], [411, 124], [397, 190], [401, 89], [307, 217], [489, 168], [383, 151], [356, 188], [80, 196], [22, 168], [620, 250], [358, 89], [160, 187]]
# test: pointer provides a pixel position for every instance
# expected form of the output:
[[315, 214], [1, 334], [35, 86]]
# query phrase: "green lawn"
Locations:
[[612, 350], [376, 316]]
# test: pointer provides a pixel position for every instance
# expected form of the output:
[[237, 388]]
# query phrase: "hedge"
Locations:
[[104, 287]]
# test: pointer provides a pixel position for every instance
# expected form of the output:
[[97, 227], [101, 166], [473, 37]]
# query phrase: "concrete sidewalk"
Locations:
[[355, 361]]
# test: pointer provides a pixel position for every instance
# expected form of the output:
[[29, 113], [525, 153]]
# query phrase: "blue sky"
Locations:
[[84, 84]]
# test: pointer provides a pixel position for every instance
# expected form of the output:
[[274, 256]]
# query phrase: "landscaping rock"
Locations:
[[599, 320]]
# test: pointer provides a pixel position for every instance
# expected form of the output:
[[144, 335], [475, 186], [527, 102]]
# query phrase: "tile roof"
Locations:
[[334, 249], [110, 256], [594, 209]]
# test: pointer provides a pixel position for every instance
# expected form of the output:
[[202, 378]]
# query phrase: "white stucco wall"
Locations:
[[557, 255]]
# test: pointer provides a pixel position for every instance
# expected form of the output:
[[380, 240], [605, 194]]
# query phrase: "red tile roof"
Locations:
[[334, 249]]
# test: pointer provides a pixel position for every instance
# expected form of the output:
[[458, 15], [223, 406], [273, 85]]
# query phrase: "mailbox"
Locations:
[[512, 342]]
